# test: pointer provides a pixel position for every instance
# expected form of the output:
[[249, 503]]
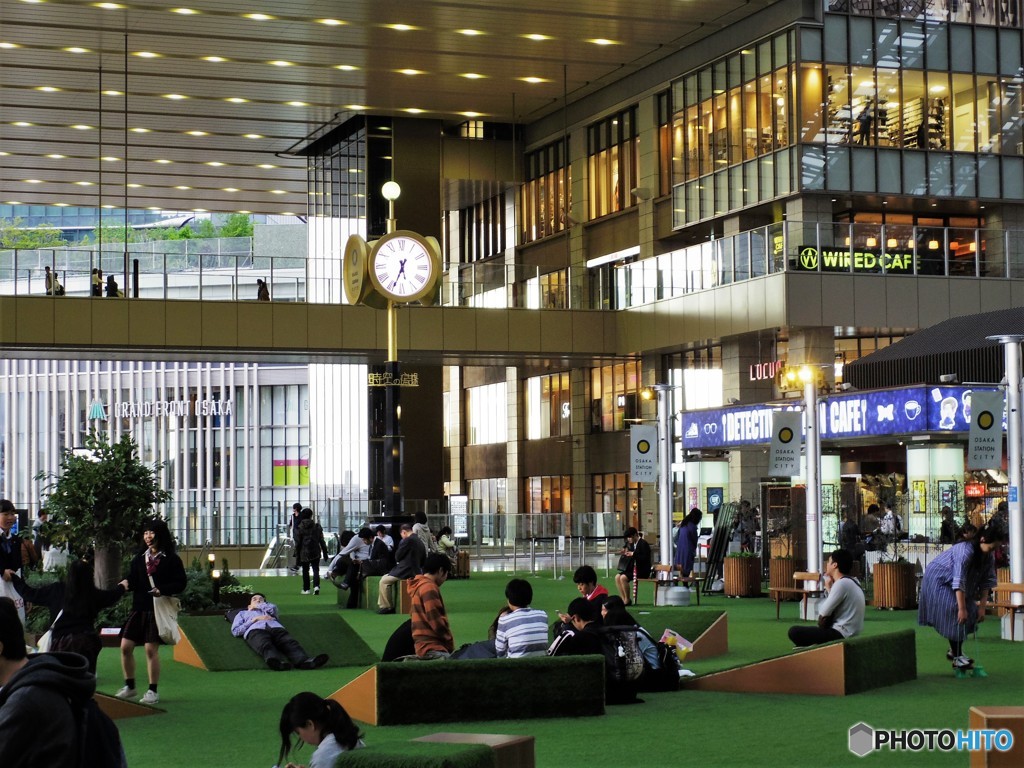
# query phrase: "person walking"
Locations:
[[310, 545]]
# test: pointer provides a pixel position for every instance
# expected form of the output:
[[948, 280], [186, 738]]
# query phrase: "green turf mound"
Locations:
[[691, 623], [405, 754], [322, 633], [875, 661]]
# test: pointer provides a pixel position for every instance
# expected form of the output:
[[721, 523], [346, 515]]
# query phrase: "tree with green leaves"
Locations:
[[99, 498], [14, 234], [237, 225]]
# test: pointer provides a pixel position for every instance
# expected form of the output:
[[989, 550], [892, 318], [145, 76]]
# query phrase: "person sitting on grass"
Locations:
[[523, 631], [262, 631], [322, 723], [582, 636], [585, 578], [431, 634], [841, 613], [382, 554]]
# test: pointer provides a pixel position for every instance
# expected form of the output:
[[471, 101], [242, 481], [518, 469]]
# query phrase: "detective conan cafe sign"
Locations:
[[845, 259]]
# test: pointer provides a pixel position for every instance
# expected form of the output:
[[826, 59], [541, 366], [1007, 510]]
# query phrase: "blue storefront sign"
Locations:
[[886, 412]]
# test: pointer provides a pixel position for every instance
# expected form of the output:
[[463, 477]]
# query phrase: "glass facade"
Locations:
[[545, 198]]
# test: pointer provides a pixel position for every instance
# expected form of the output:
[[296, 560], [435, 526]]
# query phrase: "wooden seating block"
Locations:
[[998, 718], [1005, 591]]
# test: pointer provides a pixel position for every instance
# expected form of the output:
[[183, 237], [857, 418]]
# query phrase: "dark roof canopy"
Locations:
[[956, 346]]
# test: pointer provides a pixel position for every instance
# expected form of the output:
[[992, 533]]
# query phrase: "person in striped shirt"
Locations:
[[523, 631]]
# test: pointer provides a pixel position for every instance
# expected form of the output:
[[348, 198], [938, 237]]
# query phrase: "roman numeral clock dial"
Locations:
[[404, 266]]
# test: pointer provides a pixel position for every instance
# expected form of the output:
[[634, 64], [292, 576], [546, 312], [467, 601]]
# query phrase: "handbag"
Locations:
[[165, 609], [43, 644]]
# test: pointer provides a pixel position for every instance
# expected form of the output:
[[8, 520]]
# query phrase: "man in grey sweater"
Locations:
[[841, 613]]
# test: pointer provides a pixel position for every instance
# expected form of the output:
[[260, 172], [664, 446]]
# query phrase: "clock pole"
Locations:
[[393, 447]]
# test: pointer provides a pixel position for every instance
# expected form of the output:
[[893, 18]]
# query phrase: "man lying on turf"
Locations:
[[263, 633]]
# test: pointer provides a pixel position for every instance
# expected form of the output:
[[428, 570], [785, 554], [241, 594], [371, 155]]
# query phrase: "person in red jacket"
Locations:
[[431, 634]]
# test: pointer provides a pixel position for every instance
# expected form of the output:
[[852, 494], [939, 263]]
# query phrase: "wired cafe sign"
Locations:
[[845, 259]]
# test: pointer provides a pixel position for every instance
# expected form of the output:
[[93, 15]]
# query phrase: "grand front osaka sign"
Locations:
[[811, 259]]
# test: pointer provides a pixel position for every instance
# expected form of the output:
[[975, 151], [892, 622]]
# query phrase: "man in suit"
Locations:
[[409, 557]]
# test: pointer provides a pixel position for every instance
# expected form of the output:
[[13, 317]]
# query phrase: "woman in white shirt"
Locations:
[[323, 723]]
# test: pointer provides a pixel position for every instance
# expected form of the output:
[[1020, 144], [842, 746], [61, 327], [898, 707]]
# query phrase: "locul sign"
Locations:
[[643, 454], [985, 442], [784, 453]]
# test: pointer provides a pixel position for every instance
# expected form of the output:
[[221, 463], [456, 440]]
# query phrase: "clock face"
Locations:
[[403, 266], [354, 269]]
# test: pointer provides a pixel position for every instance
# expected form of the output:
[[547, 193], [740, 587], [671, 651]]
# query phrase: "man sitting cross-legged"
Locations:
[[266, 635]]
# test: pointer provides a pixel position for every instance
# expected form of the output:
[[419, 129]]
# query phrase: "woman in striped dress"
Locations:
[[955, 590]]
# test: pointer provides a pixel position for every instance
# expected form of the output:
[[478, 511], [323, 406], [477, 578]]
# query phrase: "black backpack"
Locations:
[[666, 677], [623, 661], [99, 741]]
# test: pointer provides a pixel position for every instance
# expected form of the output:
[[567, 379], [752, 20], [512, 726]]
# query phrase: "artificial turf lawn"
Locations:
[[230, 719], [325, 633]]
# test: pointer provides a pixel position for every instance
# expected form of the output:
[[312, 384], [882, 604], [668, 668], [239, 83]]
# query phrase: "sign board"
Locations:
[[784, 453], [643, 454], [458, 511], [860, 260], [974, 490], [985, 443]]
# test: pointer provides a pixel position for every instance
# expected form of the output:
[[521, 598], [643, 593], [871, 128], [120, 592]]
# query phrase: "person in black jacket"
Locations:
[[157, 571], [10, 554], [409, 557], [310, 545], [74, 605], [634, 563]]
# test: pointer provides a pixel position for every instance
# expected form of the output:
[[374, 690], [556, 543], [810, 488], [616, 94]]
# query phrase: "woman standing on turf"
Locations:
[[955, 589], [323, 723], [156, 571]]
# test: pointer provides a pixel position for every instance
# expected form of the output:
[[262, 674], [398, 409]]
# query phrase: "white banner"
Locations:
[[985, 444], [784, 453], [643, 454]]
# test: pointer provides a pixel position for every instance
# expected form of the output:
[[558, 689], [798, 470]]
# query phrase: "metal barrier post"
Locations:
[[533, 555]]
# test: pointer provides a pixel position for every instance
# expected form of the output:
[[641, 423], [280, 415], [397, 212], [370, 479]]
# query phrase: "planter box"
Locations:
[[743, 576], [895, 585], [780, 576], [236, 599]]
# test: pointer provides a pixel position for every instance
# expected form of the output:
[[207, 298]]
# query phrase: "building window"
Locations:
[[548, 504], [545, 198], [615, 390], [666, 143], [698, 374], [618, 500], [548, 406], [548, 291], [486, 414], [1002, 14], [612, 155], [482, 230]]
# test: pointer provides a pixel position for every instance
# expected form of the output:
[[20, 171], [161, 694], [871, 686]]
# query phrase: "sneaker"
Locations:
[[343, 585], [126, 693], [386, 611], [316, 590], [314, 663], [278, 665], [304, 592], [949, 656], [294, 569], [150, 697], [962, 662]]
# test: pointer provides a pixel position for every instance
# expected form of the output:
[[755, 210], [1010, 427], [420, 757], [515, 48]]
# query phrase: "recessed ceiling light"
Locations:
[[472, 76], [47, 89], [469, 32], [414, 111], [331, 22], [109, 6], [22, 124], [281, 63], [355, 170], [33, 181], [61, 205], [937, 89], [7, 154], [184, 11], [182, 187], [400, 27], [355, 107], [84, 183], [214, 59], [287, 213], [215, 163], [146, 55], [82, 127], [533, 80], [75, 49], [258, 17], [110, 159], [471, 114], [266, 166], [174, 96], [409, 71], [538, 38], [237, 100], [253, 136], [140, 130], [113, 93], [296, 104], [54, 156], [197, 133], [108, 206], [152, 207], [229, 189], [163, 162], [247, 212], [278, 192], [9, 45], [133, 186], [12, 202], [346, 67], [602, 41]]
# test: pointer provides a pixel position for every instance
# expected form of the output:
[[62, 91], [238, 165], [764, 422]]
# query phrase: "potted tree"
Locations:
[[743, 574]]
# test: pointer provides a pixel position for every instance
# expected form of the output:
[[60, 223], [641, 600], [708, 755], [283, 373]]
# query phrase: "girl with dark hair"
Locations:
[[74, 605], [323, 723], [154, 572], [686, 544], [422, 529], [954, 590]]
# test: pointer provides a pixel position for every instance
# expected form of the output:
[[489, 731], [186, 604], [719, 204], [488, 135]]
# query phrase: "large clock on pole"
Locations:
[[404, 266]]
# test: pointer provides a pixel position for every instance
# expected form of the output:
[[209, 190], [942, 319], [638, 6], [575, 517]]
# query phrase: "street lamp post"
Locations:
[[1014, 451], [664, 473], [812, 442]]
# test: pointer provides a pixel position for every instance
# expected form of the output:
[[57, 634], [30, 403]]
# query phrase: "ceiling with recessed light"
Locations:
[[195, 107]]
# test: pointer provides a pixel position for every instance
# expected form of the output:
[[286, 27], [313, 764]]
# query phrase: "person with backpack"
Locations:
[[310, 544], [661, 665], [47, 713]]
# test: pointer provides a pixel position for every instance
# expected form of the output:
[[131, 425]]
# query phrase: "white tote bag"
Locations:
[[166, 611], [7, 590], [43, 644]]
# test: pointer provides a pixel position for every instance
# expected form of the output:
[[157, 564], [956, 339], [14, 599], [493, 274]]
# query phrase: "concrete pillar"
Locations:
[[740, 355], [513, 482], [579, 389]]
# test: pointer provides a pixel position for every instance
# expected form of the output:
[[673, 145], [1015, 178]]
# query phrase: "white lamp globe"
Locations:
[[391, 190]]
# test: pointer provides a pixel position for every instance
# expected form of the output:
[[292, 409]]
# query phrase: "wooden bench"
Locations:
[[368, 595], [666, 576], [799, 577], [1008, 589]]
